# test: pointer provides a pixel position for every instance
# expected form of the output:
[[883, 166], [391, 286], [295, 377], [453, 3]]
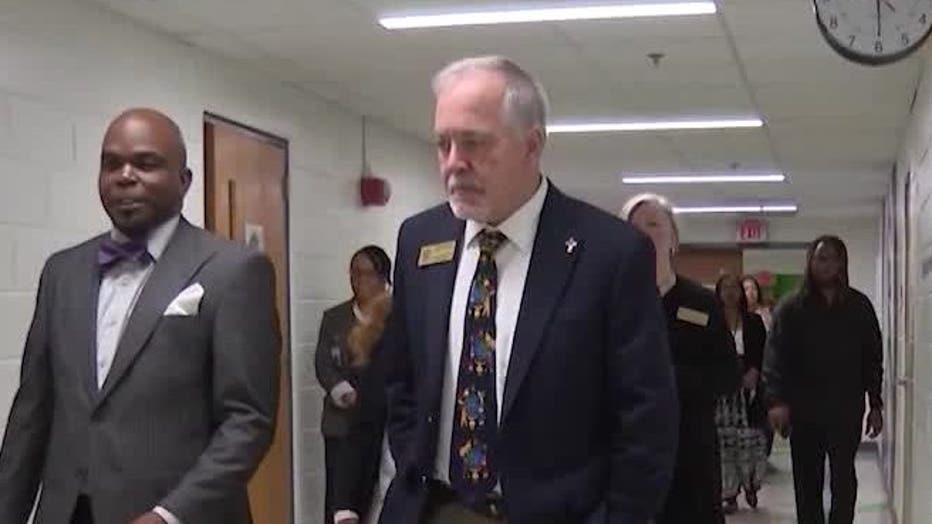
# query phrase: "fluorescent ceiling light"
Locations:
[[703, 179], [554, 14], [669, 125], [762, 208], [782, 208]]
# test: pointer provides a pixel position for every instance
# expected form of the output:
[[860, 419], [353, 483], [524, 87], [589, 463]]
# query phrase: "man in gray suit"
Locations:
[[149, 379]]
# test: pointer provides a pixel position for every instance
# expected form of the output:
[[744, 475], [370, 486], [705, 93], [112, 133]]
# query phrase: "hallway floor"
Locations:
[[776, 497]]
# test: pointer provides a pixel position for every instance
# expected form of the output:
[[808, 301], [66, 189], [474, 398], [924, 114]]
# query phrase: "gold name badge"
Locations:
[[436, 253], [692, 316]]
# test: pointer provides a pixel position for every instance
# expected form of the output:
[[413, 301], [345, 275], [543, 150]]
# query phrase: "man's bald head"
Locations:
[[156, 120], [143, 171]]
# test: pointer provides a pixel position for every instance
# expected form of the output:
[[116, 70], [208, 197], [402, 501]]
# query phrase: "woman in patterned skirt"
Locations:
[[740, 417]]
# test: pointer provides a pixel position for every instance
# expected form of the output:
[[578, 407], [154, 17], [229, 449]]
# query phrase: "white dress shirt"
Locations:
[[119, 290], [512, 260], [739, 341]]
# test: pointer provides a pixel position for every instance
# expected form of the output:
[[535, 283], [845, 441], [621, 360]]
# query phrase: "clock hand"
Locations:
[[879, 33]]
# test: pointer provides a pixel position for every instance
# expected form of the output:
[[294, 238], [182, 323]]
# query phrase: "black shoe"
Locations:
[[731, 506], [751, 497]]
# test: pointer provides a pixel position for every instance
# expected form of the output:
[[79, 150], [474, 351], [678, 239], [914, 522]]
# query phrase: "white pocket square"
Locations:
[[187, 303]]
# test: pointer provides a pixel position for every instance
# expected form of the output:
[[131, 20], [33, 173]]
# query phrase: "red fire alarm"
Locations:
[[374, 191]]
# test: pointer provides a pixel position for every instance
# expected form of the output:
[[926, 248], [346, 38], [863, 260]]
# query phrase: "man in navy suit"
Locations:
[[532, 381]]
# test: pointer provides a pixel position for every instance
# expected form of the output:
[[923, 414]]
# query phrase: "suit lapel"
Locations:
[[440, 280], [85, 294], [552, 263], [183, 256]]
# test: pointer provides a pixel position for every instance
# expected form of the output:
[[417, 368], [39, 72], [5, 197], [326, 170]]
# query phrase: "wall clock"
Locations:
[[874, 32]]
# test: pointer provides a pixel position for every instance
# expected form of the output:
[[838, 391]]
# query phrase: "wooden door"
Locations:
[[706, 264], [245, 189]]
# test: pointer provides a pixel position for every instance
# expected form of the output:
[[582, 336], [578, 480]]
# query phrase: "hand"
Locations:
[[345, 516], [874, 423], [149, 518], [348, 399], [343, 395], [751, 378], [779, 416]]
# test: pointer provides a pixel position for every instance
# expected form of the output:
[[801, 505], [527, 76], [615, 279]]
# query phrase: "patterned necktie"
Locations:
[[110, 252], [473, 472]]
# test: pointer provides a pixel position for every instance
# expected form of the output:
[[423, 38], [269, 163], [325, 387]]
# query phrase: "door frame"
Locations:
[[210, 118]]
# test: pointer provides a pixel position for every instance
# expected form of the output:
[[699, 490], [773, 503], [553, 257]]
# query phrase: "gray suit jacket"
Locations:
[[331, 350], [187, 411]]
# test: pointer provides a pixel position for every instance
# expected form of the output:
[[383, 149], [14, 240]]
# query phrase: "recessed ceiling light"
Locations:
[[702, 178], [553, 14], [778, 207], [660, 125]]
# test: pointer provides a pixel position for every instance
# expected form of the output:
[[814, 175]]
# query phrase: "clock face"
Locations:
[[874, 31]]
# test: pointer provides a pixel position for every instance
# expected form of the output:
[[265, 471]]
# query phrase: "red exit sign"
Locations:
[[752, 231]]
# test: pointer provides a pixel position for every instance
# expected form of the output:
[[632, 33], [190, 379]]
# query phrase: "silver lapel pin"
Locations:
[[571, 245]]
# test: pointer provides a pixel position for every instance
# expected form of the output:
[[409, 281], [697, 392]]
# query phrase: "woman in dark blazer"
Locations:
[[741, 417], [351, 374], [705, 364]]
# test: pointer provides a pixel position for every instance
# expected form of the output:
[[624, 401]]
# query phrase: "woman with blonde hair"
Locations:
[[351, 373], [705, 365]]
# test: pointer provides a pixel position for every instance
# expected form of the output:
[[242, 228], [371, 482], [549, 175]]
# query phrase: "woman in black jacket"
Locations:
[[705, 365], [351, 372], [741, 416]]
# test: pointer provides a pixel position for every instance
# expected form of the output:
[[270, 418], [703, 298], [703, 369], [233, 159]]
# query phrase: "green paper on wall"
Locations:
[[784, 284]]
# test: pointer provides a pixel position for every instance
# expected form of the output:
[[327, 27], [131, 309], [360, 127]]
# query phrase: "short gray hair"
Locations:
[[525, 101]]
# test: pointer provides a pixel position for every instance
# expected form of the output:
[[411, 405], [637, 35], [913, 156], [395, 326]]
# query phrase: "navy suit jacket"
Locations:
[[588, 429]]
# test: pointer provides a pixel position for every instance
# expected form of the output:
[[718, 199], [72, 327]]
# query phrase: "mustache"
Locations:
[[455, 183]]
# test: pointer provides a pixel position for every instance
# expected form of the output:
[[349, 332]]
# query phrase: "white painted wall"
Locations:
[[774, 260], [917, 343], [67, 67]]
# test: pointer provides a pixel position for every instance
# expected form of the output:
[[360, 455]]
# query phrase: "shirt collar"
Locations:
[[521, 227], [158, 238]]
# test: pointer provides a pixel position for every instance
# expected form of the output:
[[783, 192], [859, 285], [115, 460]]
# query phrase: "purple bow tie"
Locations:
[[111, 252]]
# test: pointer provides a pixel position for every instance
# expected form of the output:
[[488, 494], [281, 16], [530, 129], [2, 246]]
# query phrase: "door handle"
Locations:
[[231, 208]]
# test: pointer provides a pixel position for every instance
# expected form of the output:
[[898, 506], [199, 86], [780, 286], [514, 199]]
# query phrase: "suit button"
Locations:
[[81, 474], [430, 419], [424, 479]]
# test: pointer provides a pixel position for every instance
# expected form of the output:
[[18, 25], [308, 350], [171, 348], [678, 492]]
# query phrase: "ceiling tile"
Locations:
[[718, 151], [617, 33], [607, 155], [785, 101]]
